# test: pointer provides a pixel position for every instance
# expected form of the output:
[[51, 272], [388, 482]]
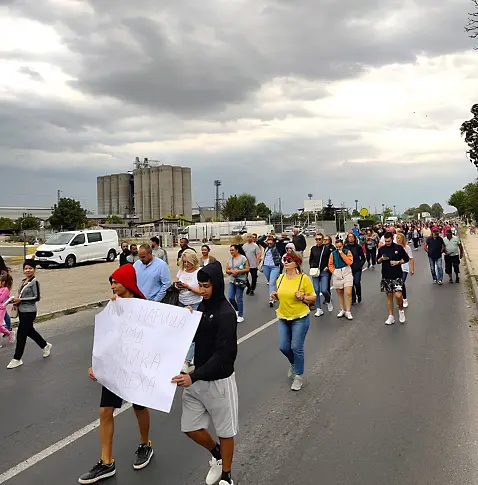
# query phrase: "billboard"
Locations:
[[313, 205]]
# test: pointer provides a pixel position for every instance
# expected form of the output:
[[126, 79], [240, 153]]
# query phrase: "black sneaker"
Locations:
[[144, 453], [252, 293], [248, 291], [457, 279], [99, 472], [359, 299]]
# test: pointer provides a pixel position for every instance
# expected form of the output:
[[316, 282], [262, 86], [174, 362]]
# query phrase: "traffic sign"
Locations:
[[364, 212]]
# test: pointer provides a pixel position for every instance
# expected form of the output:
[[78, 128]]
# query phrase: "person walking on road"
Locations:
[[28, 296], [391, 256], [453, 255], [270, 263], [133, 255], [6, 283], [407, 268], [299, 241], [434, 246], [238, 268], [4, 270], [295, 293], [125, 252], [415, 236], [123, 284], [152, 274], [253, 255], [371, 245], [213, 376], [158, 251], [359, 260], [206, 257], [340, 262], [319, 271]]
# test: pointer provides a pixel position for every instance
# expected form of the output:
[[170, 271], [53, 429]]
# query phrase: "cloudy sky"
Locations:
[[350, 99]]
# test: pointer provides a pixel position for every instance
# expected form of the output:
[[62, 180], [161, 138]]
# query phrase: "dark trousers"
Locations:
[[26, 329], [415, 242], [371, 255], [404, 288], [251, 286], [357, 288], [452, 262]]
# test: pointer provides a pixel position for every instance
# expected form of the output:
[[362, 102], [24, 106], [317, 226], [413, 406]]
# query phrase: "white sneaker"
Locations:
[[14, 363], [291, 372], [330, 307], [47, 350], [341, 314], [348, 316], [240, 319], [390, 320], [297, 383], [319, 312], [401, 316], [215, 473], [223, 482], [405, 303]]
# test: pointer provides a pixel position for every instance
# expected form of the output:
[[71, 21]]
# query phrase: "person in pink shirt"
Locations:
[[6, 282]]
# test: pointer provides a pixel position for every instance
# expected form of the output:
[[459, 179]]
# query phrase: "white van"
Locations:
[[69, 248]]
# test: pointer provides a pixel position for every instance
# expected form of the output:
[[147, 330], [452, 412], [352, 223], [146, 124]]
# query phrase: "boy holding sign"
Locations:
[[123, 284], [210, 392]]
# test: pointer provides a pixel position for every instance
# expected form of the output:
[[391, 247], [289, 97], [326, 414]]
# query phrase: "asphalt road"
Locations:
[[382, 405]]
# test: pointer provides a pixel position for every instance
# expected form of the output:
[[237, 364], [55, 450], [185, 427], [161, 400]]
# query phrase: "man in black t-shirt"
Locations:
[[435, 247], [391, 256]]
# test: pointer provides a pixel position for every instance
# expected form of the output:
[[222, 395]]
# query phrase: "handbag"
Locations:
[[240, 280], [171, 297], [314, 272], [13, 312]]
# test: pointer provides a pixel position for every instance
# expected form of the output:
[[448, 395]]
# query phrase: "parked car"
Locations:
[[69, 248], [311, 231]]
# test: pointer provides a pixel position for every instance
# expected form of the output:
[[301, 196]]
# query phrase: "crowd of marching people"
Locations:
[[334, 264]]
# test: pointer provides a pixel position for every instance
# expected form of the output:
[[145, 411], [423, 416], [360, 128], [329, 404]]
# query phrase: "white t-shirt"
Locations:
[[406, 266], [187, 297]]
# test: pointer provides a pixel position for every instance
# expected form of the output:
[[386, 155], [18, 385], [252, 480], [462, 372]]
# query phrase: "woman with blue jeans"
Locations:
[[295, 293], [319, 262], [271, 263], [238, 268], [188, 286], [4, 270]]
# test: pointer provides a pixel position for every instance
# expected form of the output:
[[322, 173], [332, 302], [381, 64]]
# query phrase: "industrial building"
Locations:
[[150, 192]]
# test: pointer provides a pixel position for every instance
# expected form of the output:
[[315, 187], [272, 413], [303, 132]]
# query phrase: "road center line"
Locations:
[[59, 445]]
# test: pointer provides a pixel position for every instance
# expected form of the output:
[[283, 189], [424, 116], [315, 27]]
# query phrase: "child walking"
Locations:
[[6, 282]]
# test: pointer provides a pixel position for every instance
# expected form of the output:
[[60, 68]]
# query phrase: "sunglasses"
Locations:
[[318, 239], [289, 260]]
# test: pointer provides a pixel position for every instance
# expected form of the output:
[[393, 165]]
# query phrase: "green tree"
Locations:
[[114, 220], [329, 211], [437, 210], [469, 129], [412, 212], [458, 200], [262, 211], [388, 212], [240, 207], [424, 208], [27, 223], [355, 213], [472, 25], [68, 215], [6, 223]]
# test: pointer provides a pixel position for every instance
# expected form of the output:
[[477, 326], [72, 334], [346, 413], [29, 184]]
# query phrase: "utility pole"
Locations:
[[356, 205], [280, 205], [217, 184], [383, 213], [394, 210], [59, 195]]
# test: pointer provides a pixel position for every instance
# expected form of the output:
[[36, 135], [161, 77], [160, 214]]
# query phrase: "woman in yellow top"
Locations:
[[295, 292]]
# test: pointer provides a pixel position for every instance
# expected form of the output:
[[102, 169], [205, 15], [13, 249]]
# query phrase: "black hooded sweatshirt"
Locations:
[[216, 336]]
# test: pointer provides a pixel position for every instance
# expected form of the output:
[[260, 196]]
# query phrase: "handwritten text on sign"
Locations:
[[139, 346]]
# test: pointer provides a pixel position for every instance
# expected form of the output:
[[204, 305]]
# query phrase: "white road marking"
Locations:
[[59, 445]]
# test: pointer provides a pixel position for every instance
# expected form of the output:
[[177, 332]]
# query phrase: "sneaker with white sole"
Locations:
[[390, 320], [144, 453], [348, 316], [291, 372], [240, 319], [215, 472], [401, 316], [47, 350], [405, 303], [297, 383], [14, 363], [341, 314], [223, 482], [99, 472], [319, 312], [330, 307]]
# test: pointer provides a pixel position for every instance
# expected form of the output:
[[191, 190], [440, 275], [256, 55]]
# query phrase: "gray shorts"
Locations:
[[215, 401]]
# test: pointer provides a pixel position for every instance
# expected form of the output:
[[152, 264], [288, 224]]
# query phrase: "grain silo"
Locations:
[[100, 191], [146, 186], [138, 193], [187, 195], [166, 189], [107, 194], [155, 191], [114, 195], [177, 191], [124, 195]]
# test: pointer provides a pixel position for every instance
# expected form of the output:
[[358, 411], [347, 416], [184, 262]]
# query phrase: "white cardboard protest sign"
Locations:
[[139, 346]]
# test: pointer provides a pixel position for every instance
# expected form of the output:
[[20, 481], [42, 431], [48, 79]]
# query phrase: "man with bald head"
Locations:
[[152, 274]]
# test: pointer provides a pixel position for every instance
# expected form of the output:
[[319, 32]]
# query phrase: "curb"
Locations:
[[469, 269]]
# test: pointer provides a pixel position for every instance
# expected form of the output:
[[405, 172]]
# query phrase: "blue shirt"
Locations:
[[153, 279], [268, 258], [356, 231]]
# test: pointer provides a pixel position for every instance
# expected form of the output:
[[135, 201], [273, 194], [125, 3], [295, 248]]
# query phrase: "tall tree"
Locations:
[[459, 202], [425, 208], [28, 223], [470, 130], [68, 215], [388, 212], [262, 211], [329, 211], [240, 207], [472, 25], [437, 210], [6, 223]]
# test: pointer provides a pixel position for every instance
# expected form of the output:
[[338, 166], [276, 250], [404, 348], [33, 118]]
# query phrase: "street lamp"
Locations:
[[394, 210], [356, 205], [383, 212]]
